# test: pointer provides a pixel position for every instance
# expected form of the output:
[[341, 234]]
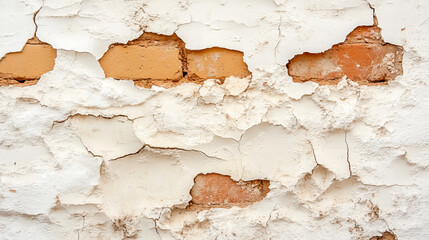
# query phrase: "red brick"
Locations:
[[363, 57], [216, 190]]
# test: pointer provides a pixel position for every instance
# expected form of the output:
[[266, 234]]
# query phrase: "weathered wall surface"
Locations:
[[249, 119]]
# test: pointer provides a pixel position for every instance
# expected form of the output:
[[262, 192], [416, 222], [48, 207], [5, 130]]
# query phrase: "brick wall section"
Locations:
[[364, 57], [216, 190], [26, 67], [161, 60]]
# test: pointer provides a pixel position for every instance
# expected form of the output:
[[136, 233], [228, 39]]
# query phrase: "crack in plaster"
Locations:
[[168, 148], [348, 154], [81, 229], [259, 83], [157, 219], [314, 154], [34, 18], [375, 20], [279, 37]]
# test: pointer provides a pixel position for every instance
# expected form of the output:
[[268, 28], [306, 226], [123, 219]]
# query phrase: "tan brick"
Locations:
[[26, 67], [216, 190], [363, 57], [142, 62], [217, 63], [147, 59], [162, 60]]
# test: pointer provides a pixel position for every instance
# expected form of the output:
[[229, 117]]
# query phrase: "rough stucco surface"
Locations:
[[83, 156]]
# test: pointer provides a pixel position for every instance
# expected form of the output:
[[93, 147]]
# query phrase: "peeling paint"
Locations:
[[85, 156]]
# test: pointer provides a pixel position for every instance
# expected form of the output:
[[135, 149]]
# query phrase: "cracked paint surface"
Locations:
[[89, 157]]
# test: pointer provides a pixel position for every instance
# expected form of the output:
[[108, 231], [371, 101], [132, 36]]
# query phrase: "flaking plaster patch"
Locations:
[[109, 138], [347, 161]]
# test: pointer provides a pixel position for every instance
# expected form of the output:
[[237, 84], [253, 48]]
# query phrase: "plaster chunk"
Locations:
[[235, 86], [109, 138], [313, 185], [211, 92], [290, 153]]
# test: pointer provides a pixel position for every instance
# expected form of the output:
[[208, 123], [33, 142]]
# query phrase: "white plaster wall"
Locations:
[[367, 146]]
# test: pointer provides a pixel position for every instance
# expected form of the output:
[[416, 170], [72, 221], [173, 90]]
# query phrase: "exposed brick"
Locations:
[[147, 57], [26, 67], [216, 190], [365, 34], [161, 60], [364, 57], [216, 63], [385, 236]]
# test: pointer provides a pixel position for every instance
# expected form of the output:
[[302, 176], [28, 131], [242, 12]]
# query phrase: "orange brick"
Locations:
[[217, 63], [363, 57], [162, 60], [365, 34], [385, 236], [30, 64], [137, 62], [216, 190]]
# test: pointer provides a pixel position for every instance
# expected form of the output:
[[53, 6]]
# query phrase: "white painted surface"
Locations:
[[55, 190]]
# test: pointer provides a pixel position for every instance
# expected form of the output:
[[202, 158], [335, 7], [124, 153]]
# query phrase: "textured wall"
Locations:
[[195, 119]]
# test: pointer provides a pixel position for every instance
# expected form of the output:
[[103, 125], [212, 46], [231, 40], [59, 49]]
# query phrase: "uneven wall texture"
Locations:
[[195, 119]]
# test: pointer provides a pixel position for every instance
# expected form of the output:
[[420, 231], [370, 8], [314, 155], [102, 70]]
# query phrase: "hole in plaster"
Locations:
[[162, 60], [220, 191], [363, 57], [26, 67]]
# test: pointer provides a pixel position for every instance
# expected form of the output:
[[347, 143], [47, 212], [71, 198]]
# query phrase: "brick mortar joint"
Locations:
[[18, 82]]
